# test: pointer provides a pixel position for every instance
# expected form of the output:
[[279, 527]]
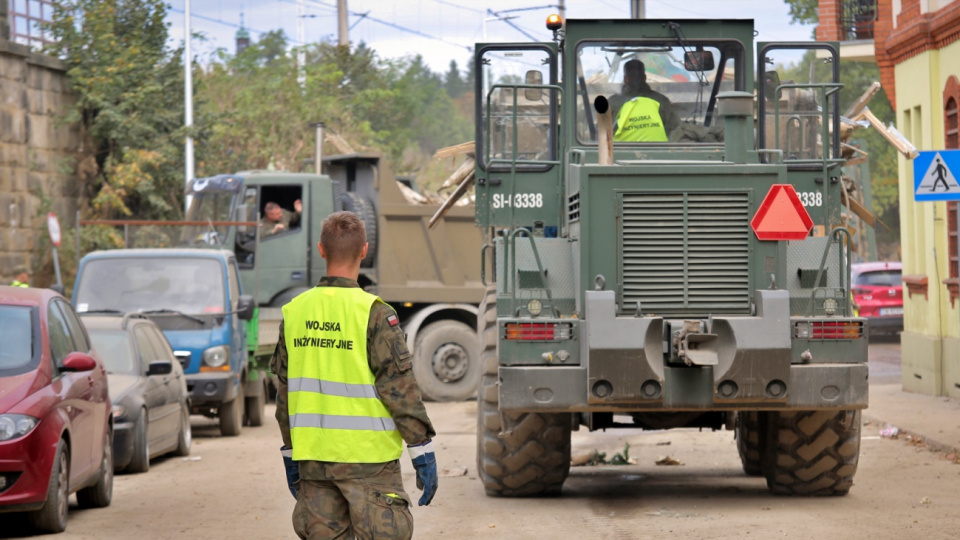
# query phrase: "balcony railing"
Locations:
[[857, 18]]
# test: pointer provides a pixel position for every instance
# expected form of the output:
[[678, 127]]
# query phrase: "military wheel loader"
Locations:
[[697, 282]]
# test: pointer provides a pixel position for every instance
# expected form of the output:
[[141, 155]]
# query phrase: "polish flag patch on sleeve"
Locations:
[[393, 320]]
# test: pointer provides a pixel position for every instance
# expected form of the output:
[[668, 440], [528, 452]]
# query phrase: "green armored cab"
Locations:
[[699, 280]]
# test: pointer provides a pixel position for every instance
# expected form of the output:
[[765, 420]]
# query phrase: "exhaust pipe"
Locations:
[[604, 131], [318, 148]]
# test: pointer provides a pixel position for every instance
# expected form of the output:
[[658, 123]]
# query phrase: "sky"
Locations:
[[445, 30]]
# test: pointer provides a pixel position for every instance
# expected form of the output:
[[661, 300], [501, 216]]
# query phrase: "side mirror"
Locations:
[[245, 307], [160, 367], [533, 77], [57, 288], [78, 361], [698, 61]]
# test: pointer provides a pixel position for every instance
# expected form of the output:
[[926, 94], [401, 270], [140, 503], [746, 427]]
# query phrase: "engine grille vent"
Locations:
[[685, 252]]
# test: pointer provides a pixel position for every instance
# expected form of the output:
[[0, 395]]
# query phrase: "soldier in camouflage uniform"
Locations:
[[342, 499], [277, 219]]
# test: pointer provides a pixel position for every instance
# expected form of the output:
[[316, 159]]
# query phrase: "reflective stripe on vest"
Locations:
[[335, 412], [639, 120]]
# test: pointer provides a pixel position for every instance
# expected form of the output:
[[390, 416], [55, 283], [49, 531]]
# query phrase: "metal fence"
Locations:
[[25, 18]]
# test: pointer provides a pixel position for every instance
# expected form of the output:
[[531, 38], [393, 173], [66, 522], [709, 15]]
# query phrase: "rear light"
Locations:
[[537, 331], [828, 330]]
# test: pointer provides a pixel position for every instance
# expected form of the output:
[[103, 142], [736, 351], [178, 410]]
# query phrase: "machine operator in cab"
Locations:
[[348, 400], [641, 114]]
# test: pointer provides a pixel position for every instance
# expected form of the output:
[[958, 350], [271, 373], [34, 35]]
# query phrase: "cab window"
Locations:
[[279, 214], [658, 91]]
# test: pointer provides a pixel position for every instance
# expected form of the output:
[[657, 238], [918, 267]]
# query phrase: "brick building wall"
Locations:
[[36, 156]]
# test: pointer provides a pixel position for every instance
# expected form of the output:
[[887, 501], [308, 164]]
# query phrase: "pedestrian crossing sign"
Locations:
[[934, 178]]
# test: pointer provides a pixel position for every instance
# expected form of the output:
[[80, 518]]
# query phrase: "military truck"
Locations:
[[700, 282], [432, 278]]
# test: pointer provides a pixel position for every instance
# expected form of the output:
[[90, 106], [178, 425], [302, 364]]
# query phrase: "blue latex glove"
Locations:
[[292, 469], [426, 465]]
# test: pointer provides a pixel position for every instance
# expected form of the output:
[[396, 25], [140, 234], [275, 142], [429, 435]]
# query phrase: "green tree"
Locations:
[[129, 88], [803, 11], [454, 82]]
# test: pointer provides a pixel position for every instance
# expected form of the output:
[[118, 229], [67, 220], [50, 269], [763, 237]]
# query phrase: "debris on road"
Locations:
[[925, 500], [191, 458], [667, 460], [453, 472], [891, 432], [596, 457]]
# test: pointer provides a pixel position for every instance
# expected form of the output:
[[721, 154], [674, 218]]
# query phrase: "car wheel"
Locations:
[[53, 516], [185, 439], [140, 462], [231, 416], [100, 494]]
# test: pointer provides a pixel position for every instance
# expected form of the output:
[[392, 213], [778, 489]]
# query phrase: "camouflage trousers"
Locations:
[[374, 507]]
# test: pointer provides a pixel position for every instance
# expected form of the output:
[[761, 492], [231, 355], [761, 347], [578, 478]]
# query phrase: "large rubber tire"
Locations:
[[231, 416], [813, 453], [53, 516], [254, 407], [446, 361], [363, 208], [185, 438], [518, 454], [750, 438], [140, 462], [100, 494]]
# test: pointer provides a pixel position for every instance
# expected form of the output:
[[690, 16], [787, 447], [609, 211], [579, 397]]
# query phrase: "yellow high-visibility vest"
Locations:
[[18, 283], [639, 120], [335, 412]]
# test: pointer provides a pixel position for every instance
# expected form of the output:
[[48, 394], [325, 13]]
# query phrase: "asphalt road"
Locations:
[[234, 488]]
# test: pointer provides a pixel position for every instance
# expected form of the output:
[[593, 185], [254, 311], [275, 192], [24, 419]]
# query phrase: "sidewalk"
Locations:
[[935, 419]]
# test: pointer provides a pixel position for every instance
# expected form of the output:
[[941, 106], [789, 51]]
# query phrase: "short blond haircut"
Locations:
[[343, 235]]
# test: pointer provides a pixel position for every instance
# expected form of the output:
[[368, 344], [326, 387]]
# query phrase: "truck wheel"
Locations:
[[518, 454], [811, 452], [100, 494], [231, 416], [52, 517], [749, 438], [446, 362], [140, 462], [254, 406], [363, 208]]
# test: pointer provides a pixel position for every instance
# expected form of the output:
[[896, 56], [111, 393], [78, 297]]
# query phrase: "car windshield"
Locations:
[[883, 278], [16, 339], [116, 350], [187, 285], [684, 80]]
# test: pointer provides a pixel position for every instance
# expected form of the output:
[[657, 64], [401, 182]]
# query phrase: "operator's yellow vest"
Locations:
[[335, 412], [18, 283], [639, 120]]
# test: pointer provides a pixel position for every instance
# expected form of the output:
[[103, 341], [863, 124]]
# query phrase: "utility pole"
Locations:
[[188, 106], [343, 37], [638, 9], [301, 55], [562, 10]]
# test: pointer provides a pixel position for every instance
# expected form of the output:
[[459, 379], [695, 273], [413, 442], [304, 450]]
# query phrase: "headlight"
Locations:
[[119, 411], [829, 306], [216, 356], [13, 426], [534, 307]]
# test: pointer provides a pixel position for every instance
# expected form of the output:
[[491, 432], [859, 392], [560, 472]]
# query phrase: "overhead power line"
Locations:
[[225, 23]]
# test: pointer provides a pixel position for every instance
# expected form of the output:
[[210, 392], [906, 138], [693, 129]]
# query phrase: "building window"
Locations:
[[951, 97], [857, 18], [26, 17]]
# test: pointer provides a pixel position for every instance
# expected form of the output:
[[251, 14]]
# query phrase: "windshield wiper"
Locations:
[[173, 312], [90, 311]]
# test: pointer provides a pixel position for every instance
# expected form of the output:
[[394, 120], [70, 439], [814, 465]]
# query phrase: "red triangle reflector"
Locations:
[[781, 215]]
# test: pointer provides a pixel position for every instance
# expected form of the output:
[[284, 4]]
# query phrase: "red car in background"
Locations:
[[55, 414], [878, 293]]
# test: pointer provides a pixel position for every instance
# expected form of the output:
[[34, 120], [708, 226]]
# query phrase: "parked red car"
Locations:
[[55, 416], [878, 291]]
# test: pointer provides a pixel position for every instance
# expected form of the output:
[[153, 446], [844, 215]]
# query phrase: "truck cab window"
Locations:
[[517, 120], [280, 210], [659, 91]]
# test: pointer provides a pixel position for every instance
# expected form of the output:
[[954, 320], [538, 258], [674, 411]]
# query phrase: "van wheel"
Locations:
[[254, 406], [100, 494], [446, 362], [53, 516], [231, 416]]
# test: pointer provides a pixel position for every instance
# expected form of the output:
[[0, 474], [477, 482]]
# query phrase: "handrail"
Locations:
[[511, 266], [845, 263]]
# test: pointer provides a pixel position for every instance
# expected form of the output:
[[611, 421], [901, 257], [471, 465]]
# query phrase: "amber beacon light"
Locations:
[[554, 22]]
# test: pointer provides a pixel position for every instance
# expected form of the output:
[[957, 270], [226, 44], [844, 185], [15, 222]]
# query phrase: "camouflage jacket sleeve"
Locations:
[[278, 365], [391, 363]]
